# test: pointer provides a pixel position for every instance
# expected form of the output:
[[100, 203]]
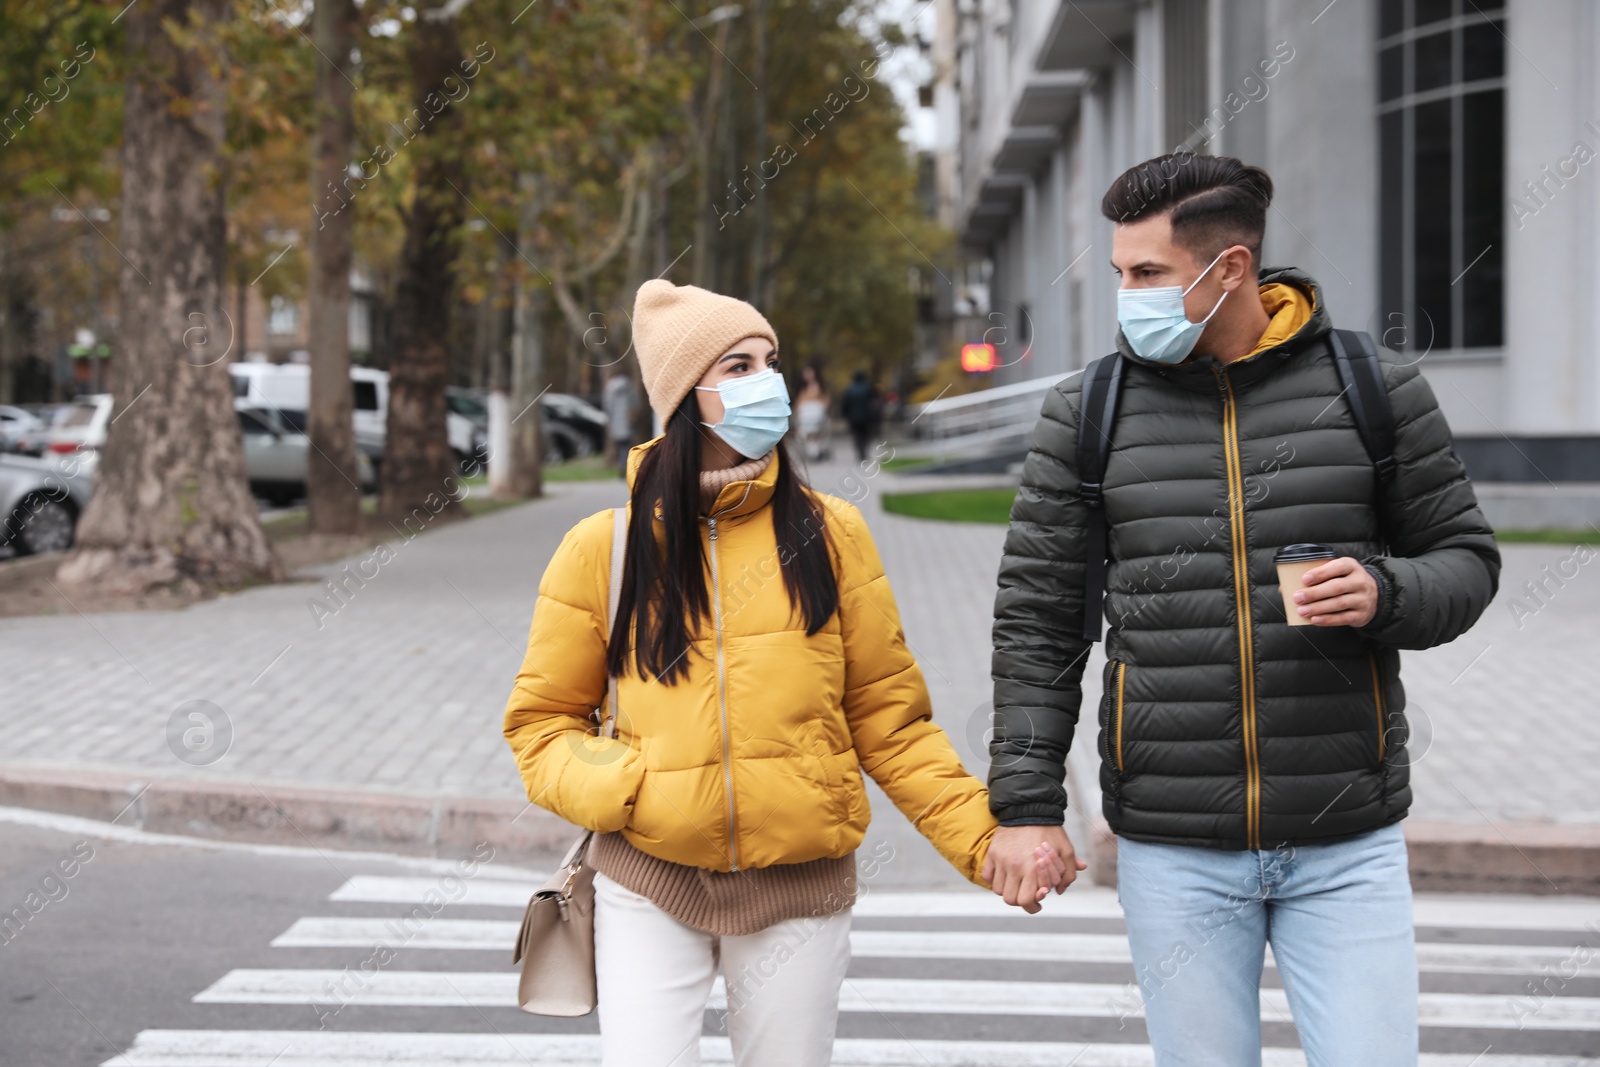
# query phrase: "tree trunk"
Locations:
[[418, 465], [171, 506], [763, 238], [706, 210], [332, 490], [524, 438], [15, 298]]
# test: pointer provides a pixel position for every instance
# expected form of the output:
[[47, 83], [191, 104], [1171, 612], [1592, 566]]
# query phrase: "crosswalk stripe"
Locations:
[[1577, 914], [330, 988], [497, 935], [1090, 902], [253, 1048], [434, 892]]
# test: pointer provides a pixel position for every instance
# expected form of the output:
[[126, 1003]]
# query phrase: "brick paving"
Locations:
[[400, 688]]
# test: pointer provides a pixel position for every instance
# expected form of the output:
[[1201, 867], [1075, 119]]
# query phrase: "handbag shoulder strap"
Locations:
[[619, 549]]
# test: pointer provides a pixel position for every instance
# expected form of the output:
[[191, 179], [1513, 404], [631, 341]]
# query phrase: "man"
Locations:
[[1255, 773], [860, 406], [620, 400]]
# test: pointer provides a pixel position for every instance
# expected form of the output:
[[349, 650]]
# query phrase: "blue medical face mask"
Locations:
[[755, 412], [1155, 324]]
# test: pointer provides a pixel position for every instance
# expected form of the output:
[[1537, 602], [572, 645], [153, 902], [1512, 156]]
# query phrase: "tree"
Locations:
[[171, 506], [417, 461], [332, 493]]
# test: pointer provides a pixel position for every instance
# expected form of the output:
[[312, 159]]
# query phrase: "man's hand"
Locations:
[[1338, 593], [1025, 862]]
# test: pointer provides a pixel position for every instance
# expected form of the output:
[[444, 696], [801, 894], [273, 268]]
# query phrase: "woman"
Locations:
[[760, 669], [813, 404]]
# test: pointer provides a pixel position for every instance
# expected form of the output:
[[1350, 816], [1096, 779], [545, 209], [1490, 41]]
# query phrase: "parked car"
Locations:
[[572, 426], [15, 424], [470, 404], [287, 387], [81, 426], [41, 500], [35, 440], [586, 422], [276, 455]]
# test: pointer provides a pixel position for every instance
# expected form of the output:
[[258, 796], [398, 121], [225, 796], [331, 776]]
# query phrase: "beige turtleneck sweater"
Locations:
[[733, 903]]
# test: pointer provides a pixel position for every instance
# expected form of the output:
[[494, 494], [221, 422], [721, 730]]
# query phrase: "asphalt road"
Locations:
[[139, 951]]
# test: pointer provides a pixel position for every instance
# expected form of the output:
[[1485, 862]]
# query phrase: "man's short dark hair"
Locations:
[[1212, 201]]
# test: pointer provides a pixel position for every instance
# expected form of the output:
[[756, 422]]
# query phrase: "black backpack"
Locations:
[[1356, 358]]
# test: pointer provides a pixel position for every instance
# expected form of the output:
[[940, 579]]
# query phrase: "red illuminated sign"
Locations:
[[975, 359]]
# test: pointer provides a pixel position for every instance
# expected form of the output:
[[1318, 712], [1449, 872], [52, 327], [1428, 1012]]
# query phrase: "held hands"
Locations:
[[1025, 862], [1338, 593]]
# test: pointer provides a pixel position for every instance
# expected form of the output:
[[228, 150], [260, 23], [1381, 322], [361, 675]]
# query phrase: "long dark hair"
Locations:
[[663, 598]]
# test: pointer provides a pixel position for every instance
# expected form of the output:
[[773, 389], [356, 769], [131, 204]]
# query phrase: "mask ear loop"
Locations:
[[1196, 282]]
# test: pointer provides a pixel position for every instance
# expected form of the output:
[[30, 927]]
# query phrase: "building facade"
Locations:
[[1435, 164]]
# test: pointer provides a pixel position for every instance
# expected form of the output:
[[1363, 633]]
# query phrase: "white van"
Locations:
[[287, 388]]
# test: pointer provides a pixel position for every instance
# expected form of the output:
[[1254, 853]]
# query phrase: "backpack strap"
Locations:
[[1102, 385], [1356, 358]]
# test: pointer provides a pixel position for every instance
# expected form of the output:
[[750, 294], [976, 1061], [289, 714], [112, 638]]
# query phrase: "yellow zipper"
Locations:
[[1241, 593], [1122, 675], [722, 700], [1377, 702]]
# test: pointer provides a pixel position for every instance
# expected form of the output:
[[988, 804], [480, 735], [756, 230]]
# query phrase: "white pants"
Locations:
[[655, 976]]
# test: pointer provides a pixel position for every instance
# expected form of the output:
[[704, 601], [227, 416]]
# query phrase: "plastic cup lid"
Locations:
[[1303, 551]]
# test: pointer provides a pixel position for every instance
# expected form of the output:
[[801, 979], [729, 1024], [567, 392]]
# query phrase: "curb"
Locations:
[[274, 814], [1533, 858], [1521, 857]]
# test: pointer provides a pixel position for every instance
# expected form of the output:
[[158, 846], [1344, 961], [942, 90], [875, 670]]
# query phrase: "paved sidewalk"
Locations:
[[400, 688]]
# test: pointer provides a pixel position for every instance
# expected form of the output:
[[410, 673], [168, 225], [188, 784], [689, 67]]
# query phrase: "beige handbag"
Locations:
[[556, 943]]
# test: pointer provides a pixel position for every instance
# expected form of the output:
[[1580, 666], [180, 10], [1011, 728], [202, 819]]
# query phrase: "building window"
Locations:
[[1441, 153], [281, 316]]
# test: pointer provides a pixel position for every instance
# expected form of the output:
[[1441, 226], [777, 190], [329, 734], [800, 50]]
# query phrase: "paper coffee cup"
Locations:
[[1293, 561]]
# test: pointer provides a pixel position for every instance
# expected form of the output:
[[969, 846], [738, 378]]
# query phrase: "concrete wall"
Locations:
[[1552, 288], [1320, 137]]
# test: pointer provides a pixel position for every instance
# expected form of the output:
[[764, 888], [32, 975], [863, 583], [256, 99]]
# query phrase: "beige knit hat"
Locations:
[[680, 330]]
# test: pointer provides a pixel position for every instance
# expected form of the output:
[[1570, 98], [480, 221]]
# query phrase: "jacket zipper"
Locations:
[[722, 700], [1122, 676], [1241, 594], [1377, 702]]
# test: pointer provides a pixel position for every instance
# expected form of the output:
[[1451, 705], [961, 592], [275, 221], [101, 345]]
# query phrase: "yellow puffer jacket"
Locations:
[[759, 761]]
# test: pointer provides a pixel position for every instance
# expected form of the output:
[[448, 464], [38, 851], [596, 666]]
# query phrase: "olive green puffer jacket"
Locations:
[[1221, 725]]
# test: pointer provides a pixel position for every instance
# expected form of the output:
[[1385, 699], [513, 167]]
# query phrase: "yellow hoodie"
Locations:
[[1290, 308]]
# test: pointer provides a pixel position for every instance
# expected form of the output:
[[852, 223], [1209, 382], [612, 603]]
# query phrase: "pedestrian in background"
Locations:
[[860, 406], [620, 401], [1253, 739], [813, 414], [761, 670]]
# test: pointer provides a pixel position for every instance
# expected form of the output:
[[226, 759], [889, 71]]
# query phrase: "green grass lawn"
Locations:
[[1590, 536], [905, 463], [953, 505], [588, 469], [994, 505]]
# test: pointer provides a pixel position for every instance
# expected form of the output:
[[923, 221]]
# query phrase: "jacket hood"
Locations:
[[1315, 327], [736, 498]]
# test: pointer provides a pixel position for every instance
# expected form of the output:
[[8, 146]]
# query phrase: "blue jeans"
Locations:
[[1338, 917]]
